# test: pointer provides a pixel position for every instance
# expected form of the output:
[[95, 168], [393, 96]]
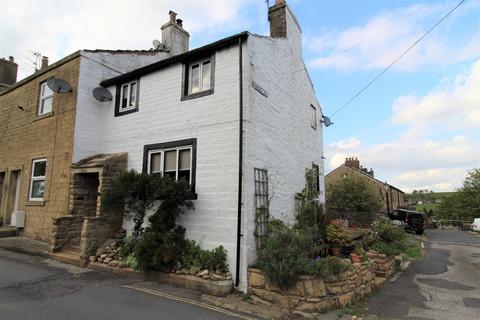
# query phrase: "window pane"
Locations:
[[155, 162], [133, 94], [170, 160], [206, 75], [124, 96], [195, 84], [184, 161], [39, 169], [38, 187], [46, 91], [184, 174], [46, 105]]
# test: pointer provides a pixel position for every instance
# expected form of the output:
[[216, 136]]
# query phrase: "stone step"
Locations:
[[6, 232], [69, 257], [71, 248]]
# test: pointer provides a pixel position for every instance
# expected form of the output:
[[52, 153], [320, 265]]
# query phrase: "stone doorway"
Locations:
[[85, 194], [12, 196]]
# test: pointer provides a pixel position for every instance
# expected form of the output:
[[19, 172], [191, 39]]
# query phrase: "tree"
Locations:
[[353, 194], [465, 203]]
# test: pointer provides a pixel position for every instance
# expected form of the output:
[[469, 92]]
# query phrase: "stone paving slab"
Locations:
[[25, 245]]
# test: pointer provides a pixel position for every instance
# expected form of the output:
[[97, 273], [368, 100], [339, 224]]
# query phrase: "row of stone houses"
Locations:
[[238, 118], [391, 196]]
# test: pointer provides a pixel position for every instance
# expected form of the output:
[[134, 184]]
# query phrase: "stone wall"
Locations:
[[66, 230], [25, 136], [312, 295]]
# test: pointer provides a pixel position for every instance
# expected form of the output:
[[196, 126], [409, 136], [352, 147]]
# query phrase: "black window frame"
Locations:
[[118, 98], [174, 144], [185, 76]]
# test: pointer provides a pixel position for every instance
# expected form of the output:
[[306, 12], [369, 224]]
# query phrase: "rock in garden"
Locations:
[[216, 277], [103, 256], [203, 273], [206, 277], [193, 270], [92, 258], [178, 272], [107, 260], [113, 263], [184, 270]]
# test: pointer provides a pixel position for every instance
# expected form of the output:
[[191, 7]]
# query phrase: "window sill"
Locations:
[[313, 127], [43, 116], [119, 113], [196, 95], [35, 203]]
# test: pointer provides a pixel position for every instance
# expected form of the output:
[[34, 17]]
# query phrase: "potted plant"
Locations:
[[356, 255], [336, 237]]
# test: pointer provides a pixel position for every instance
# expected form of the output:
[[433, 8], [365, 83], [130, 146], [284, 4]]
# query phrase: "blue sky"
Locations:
[[418, 126]]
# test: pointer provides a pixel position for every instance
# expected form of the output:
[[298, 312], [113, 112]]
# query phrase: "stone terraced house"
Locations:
[[238, 118]]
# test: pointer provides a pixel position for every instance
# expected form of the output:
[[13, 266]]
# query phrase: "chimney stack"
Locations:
[[44, 63], [277, 15], [352, 163], [174, 37], [8, 72]]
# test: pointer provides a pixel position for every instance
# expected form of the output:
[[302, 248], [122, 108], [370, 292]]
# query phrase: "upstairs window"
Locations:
[[199, 78], [313, 117], [127, 98], [45, 100], [37, 183]]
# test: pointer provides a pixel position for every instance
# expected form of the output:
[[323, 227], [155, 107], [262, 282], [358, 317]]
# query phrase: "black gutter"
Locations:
[[240, 158], [189, 55]]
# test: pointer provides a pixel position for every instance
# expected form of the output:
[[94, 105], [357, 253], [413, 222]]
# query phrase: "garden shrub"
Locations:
[[213, 260], [282, 256], [329, 266], [128, 246], [130, 261], [389, 239]]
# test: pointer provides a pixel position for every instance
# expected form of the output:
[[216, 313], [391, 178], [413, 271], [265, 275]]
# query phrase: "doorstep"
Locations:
[[7, 232]]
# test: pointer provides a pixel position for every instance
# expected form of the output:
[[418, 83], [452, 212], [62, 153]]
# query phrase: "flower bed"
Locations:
[[318, 294]]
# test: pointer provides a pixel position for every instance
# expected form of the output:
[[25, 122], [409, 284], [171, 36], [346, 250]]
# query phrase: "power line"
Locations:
[[397, 59]]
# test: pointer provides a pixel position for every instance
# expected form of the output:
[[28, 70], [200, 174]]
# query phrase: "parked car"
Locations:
[[476, 225], [413, 221]]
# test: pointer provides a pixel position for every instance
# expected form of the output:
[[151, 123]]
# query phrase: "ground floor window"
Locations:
[[37, 183], [261, 204], [176, 159], [316, 170]]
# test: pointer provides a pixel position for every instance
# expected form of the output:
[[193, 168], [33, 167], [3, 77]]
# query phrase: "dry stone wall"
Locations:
[[313, 295]]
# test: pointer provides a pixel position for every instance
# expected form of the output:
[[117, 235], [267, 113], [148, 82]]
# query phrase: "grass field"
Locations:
[[433, 206]]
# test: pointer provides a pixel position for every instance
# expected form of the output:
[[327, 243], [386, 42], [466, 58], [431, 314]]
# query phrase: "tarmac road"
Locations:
[[445, 285], [35, 288]]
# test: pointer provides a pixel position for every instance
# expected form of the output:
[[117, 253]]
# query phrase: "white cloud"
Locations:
[[385, 36], [455, 103], [57, 29], [439, 143]]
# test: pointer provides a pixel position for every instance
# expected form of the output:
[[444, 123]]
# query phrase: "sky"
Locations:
[[417, 125]]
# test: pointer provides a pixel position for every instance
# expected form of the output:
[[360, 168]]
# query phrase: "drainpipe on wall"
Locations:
[[240, 158]]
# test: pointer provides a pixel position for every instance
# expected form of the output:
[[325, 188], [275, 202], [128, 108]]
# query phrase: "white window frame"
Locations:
[[42, 98], [313, 116], [37, 178], [162, 160], [200, 75], [129, 106]]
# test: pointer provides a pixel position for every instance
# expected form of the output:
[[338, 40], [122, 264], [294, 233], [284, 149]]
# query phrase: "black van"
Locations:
[[413, 221]]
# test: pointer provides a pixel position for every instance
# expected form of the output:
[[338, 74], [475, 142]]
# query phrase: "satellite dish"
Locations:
[[101, 94], [156, 44], [326, 120], [59, 85]]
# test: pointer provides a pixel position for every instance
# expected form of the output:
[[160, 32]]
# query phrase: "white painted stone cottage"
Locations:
[[223, 116]]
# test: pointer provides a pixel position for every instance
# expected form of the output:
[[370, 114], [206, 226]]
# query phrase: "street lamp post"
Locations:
[[385, 185]]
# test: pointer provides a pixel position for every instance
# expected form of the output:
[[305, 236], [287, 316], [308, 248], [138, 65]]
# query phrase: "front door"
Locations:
[[13, 195]]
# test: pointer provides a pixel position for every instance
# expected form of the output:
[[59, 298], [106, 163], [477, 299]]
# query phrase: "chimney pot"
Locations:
[[173, 16], [44, 63], [180, 22], [11, 59]]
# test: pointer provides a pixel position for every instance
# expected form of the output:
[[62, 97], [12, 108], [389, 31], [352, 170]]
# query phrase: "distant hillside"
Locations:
[[427, 197]]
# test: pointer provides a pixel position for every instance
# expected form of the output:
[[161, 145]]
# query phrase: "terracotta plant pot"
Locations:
[[355, 258], [335, 251]]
